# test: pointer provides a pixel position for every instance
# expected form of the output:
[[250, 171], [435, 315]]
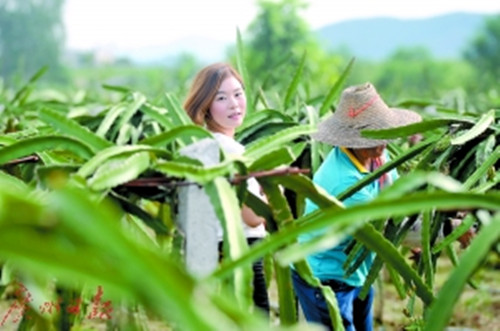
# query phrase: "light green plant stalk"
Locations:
[[71, 128], [292, 88], [40, 144], [227, 209], [441, 309], [242, 69]]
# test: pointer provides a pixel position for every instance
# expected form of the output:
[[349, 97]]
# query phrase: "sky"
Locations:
[[123, 25]]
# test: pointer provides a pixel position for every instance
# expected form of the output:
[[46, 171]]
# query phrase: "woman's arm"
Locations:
[[250, 217]]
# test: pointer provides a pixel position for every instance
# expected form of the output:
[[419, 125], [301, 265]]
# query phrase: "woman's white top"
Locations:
[[232, 147]]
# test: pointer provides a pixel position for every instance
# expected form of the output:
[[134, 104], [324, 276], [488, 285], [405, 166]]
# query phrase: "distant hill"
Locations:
[[375, 39]]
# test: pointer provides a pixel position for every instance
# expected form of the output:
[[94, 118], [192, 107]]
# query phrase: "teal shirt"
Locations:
[[337, 173]]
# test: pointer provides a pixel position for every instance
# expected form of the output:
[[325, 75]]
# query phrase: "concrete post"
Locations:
[[196, 215]]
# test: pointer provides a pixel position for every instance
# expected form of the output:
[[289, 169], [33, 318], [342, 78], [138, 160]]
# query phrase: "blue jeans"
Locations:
[[356, 313]]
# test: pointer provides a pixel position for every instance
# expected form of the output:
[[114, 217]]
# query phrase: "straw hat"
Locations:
[[361, 108]]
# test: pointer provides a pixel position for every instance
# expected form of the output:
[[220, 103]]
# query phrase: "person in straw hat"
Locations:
[[352, 158]]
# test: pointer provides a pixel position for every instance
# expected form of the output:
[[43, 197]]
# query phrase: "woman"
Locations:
[[217, 101]]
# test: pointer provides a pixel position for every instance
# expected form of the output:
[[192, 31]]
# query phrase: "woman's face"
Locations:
[[228, 108]]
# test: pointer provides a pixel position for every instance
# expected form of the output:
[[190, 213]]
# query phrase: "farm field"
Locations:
[[93, 171], [81, 160]]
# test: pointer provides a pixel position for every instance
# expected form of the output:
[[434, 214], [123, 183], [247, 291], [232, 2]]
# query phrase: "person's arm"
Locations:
[[250, 217]]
